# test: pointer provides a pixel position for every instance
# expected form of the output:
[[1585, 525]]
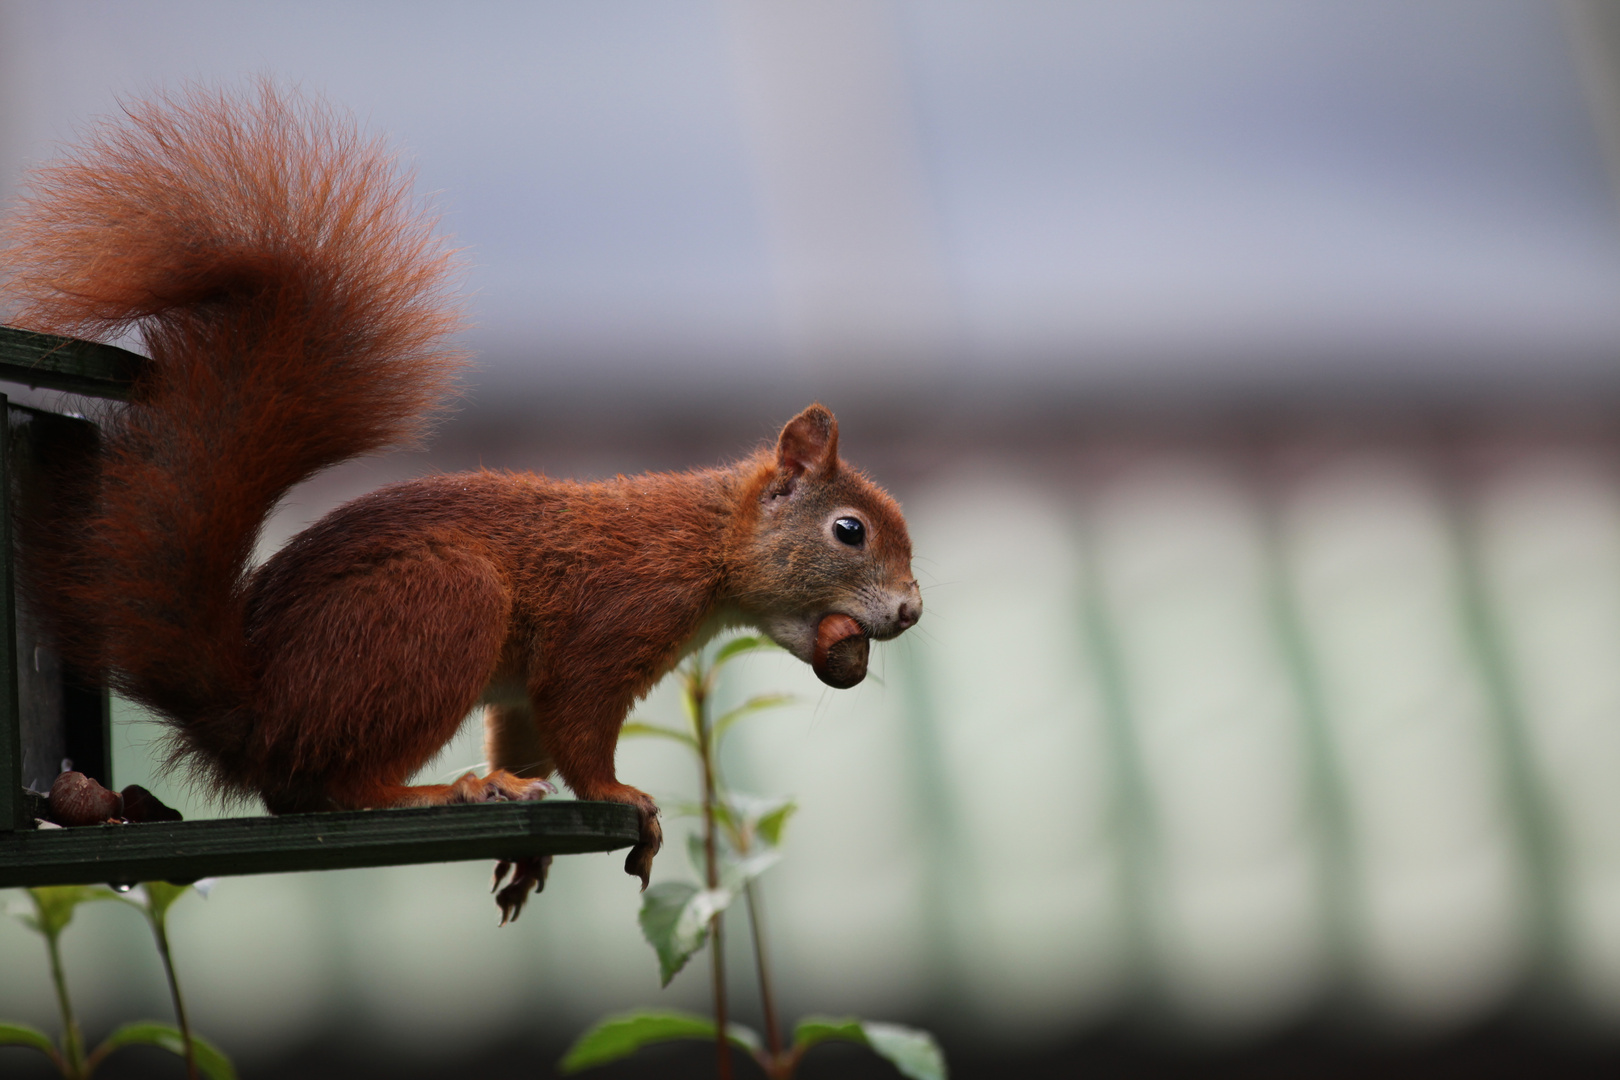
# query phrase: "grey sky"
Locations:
[[1068, 193]]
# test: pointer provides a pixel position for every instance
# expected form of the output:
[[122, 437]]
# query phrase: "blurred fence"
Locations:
[[1227, 735]]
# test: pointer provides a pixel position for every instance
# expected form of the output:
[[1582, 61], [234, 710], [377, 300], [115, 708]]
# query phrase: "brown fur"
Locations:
[[294, 307]]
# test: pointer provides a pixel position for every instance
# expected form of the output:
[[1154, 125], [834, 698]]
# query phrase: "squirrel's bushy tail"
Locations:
[[295, 304]]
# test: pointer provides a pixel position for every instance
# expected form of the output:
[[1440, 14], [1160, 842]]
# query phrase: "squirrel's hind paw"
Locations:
[[639, 862], [527, 875]]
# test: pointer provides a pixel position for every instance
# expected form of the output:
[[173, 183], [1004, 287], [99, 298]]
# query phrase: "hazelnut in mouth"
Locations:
[[841, 651]]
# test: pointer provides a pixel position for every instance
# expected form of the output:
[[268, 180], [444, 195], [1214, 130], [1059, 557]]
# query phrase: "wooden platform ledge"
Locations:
[[183, 851]]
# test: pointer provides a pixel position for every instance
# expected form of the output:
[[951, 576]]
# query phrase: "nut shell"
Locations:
[[842, 648], [141, 805], [76, 799]]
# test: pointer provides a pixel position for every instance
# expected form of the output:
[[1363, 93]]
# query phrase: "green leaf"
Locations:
[[739, 872], [698, 854], [910, 1050], [661, 907], [759, 816], [913, 1052], [210, 1061], [617, 1037], [691, 688], [54, 905], [757, 703], [735, 870], [620, 1036], [739, 645], [23, 1035], [730, 828], [815, 1029], [161, 895], [770, 826], [636, 727], [675, 921]]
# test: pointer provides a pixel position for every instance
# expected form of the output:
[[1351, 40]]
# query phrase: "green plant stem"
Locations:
[[722, 1046], [72, 1041], [698, 688], [160, 931], [779, 1067]]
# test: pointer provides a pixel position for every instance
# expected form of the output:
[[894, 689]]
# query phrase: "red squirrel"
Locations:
[[295, 306]]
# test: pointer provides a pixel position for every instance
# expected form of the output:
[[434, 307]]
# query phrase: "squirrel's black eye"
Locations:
[[850, 531]]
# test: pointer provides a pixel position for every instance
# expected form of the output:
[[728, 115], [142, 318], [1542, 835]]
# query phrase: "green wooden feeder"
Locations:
[[45, 717]]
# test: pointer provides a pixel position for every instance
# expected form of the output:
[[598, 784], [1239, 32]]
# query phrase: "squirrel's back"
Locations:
[[294, 301]]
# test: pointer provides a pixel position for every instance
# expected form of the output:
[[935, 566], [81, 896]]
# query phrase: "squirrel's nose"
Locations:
[[910, 611]]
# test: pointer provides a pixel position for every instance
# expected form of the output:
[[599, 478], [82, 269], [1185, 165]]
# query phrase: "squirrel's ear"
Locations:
[[809, 444]]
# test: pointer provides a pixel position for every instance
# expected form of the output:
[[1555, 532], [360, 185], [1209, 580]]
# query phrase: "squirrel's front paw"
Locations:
[[639, 862], [500, 786]]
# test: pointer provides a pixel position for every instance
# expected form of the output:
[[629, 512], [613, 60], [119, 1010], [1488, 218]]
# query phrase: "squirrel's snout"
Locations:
[[910, 610], [895, 614]]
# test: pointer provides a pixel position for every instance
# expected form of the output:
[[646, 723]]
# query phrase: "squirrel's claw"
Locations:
[[639, 862], [498, 786], [527, 874]]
